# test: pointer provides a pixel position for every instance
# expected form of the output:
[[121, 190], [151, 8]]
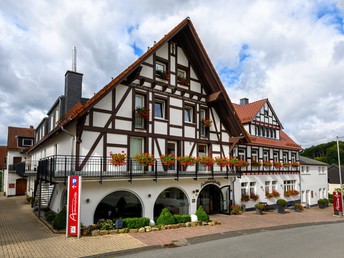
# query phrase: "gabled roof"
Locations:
[[249, 111], [184, 34], [285, 142], [14, 133], [309, 161], [3, 154]]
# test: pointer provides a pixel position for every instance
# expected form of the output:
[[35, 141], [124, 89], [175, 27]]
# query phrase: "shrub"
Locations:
[[281, 202], [50, 216], [165, 218], [201, 214], [60, 220], [321, 201], [298, 206], [182, 218], [135, 222], [235, 209], [103, 224], [259, 206]]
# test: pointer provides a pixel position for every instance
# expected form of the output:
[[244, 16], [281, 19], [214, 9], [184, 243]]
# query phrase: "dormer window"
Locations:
[[25, 142]]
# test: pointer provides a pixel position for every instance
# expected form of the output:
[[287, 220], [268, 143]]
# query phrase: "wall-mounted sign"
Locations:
[[73, 207], [211, 181], [11, 185]]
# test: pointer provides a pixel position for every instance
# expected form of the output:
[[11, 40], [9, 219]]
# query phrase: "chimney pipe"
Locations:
[[74, 59]]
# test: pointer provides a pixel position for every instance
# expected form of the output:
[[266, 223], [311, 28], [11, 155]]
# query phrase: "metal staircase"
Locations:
[[43, 194]]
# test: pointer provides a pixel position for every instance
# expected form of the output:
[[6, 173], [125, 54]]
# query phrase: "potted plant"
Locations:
[[267, 164], [298, 207], [286, 165], [206, 122], [278, 164], [235, 209], [142, 112], [145, 159], [254, 196], [259, 208], [168, 160], [245, 198], [182, 80], [295, 164], [256, 163], [118, 159], [165, 75], [186, 160], [222, 161], [206, 161], [276, 193], [322, 203], [326, 202], [281, 204]]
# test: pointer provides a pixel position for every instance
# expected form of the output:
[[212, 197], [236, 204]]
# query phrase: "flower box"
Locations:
[[145, 159], [118, 159], [142, 112]]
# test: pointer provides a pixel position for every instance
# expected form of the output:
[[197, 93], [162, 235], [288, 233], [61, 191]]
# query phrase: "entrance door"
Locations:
[[20, 186], [211, 199], [307, 198]]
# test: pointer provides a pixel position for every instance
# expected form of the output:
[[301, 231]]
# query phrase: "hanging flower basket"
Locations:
[[256, 164], [278, 164], [168, 160], [118, 159], [145, 159], [186, 160], [222, 161], [206, 122], [142, 112], [206, 161], [267, 164]]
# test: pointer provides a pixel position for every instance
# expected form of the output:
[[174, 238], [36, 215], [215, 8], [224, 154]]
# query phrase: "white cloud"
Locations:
[[295, 55]]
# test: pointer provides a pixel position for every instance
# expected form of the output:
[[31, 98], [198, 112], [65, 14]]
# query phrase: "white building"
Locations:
[[314, 181]]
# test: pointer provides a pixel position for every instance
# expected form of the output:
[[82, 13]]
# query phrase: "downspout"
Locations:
[[73, 140]]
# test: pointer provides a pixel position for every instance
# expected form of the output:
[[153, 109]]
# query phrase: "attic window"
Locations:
[[25, 142], [182, 77], [161, 70]]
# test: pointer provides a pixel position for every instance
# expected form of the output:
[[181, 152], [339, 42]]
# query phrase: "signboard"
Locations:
[[10, 185], [337, 202], [73, 206]]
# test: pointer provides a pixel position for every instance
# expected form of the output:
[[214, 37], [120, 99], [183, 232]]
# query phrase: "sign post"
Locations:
[[73, 206], [337, 203]]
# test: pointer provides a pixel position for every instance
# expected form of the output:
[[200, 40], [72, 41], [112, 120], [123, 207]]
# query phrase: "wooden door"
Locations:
[[21, 186]]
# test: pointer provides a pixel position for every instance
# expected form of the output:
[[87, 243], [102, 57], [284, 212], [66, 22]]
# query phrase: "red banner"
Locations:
[[73, 208], [337, 202]]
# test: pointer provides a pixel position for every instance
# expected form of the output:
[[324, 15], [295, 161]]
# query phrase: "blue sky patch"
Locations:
[[332, 15], [138, 51]]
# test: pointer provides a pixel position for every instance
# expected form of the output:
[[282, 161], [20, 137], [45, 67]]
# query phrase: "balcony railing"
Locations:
[[58, 168]]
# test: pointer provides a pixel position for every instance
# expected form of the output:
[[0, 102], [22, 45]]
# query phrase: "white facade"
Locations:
[[314, 181]]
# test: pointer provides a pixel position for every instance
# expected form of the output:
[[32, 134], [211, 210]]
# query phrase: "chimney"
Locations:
[[244, 101], [73, 85]]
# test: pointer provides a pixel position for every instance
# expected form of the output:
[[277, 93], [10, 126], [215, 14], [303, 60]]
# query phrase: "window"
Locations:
[[244, 189], [136, 146], [27, 142], [159, 109], [274, 186], [188, 114], [254, 155], [252, 187], [293, 157], [161, 70], [267, 186], [202, 151], [285, 157], [276, 156], [182, 77], [265, 155], [139, 103], [241, 154], [307, 169], [202, 126], [289, 185]]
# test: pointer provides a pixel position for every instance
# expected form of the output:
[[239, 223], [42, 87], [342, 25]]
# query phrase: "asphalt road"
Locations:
[[310, 241]]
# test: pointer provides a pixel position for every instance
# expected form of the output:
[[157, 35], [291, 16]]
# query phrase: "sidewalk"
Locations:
[[23, 235]]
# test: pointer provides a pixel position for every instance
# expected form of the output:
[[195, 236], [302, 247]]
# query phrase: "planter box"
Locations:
[[281, 209]]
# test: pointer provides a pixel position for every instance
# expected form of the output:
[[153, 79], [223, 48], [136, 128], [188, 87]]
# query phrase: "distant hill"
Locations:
[[326, 152]]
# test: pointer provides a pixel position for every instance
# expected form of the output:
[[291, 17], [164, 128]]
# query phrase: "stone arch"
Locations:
[[119, 204], [211, 199], [174, 199]]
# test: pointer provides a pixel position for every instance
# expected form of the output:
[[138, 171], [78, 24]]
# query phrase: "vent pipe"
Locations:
[[74, 60]]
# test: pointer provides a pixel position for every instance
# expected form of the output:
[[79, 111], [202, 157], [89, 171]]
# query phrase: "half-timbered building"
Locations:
[[274, 170], [170, 101]]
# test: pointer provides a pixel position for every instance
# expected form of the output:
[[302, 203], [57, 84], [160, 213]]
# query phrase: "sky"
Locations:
[[291, 52]]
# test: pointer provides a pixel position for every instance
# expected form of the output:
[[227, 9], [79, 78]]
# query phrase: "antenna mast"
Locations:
[[74, 60]]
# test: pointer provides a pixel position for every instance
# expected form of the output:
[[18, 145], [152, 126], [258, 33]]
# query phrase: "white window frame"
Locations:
[[26, 139], [139, 121], [242, 154], [244, 189], [289, 185], [159, 65], [265, 155], [267, 186], [252, 187], [188, 114], [254, 155], [274, 185]]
